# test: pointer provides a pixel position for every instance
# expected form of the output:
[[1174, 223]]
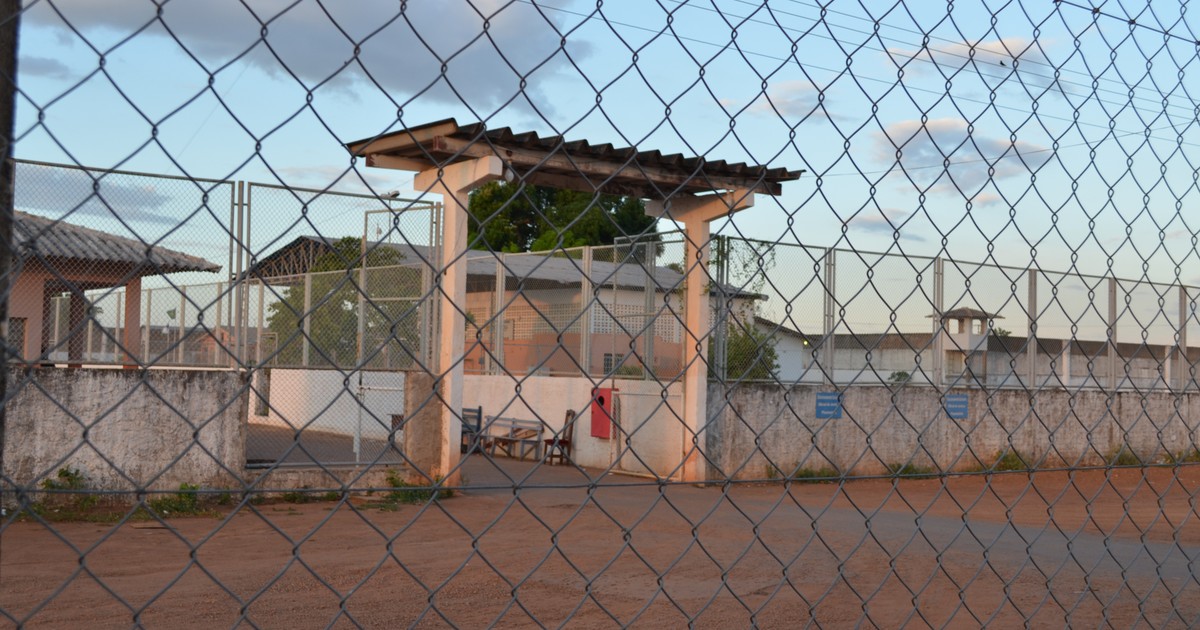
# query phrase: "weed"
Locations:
[[186, 502], [817, 475], [297, 496], [1124, 456], [911, 470], [1186, 457], [74, 483], [1009, 460], [404, 492]]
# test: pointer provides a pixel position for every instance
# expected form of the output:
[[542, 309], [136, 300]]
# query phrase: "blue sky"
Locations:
[[1021, 131]]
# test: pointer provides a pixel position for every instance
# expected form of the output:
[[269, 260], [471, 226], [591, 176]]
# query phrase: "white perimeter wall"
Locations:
[[653, 427], [763, 426], [326, 400]]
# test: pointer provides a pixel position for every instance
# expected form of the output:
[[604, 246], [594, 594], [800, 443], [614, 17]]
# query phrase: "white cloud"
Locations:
[[886, 221], [351, 45], [790, 99], [56, 192], [948, 152], [32, 65]]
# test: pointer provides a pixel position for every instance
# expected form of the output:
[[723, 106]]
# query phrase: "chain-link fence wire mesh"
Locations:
[[944, 378]]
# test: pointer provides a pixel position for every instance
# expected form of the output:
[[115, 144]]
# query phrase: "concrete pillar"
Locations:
[[454, 183], [132, 336], [424, 433], [696, 213]]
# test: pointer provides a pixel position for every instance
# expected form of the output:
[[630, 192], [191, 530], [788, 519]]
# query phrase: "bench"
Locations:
[[514, 436]]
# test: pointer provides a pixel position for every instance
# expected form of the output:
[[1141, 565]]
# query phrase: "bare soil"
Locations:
[[1092, 548]]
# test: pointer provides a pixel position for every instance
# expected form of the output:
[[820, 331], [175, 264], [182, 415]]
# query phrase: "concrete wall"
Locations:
[[650, 420], [158, 428], [757, 426], [326, 400]]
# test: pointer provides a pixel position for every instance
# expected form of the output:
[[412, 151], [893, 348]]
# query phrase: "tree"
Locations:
[[334, 304], [511, 217], [750, 354]]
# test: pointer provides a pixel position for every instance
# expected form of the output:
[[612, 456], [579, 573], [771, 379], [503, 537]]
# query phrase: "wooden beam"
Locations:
[[379, 160], [704, 208], [403, 139]]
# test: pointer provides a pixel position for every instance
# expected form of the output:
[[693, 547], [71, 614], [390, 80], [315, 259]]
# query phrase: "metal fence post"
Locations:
[[938, 377], [1181, 341], [498, 316], [829, 326], [1113, 379], [648, 304], [586, 293], [1031, 353], [306, 320]]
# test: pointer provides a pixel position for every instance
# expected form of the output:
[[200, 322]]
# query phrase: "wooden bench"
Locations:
[[514, 436]]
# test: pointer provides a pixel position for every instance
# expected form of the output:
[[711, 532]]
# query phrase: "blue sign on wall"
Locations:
[[829, 405], [957, 406]]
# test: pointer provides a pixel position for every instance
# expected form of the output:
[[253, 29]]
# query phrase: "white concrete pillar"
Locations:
[[696, 213], [455, 183]]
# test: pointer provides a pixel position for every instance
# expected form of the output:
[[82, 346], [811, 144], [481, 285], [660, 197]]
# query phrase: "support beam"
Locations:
[[696, 213], [454, 183]]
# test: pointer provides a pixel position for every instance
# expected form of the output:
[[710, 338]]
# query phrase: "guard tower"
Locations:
[[964, 336]]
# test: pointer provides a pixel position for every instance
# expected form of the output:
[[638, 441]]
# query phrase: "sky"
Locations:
[[1029, 134]]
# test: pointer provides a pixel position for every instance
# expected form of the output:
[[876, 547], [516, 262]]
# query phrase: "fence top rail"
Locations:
[[960, 261], [340, 193], [113, 171]]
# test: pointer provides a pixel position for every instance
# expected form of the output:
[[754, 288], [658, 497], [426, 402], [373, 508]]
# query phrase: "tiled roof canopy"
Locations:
[[37, 237], [567, 164]]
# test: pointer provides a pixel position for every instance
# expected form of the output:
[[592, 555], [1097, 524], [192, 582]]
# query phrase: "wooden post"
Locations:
[[696, 213], [132, 338]]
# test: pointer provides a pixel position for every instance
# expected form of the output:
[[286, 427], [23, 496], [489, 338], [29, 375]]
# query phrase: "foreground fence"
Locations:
[[486, 314]]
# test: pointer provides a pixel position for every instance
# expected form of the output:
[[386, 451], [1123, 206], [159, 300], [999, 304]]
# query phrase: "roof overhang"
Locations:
[[574, 165]]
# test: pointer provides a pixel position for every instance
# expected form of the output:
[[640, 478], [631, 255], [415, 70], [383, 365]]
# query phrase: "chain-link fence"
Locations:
[[502, 314]]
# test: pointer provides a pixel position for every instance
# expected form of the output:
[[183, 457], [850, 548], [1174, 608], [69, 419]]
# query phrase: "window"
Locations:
[[612, 361]]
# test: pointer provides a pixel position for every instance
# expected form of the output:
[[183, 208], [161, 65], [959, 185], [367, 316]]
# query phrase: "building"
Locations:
[[56, 259]]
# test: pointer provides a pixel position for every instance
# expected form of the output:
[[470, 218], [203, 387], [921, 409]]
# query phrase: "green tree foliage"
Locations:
[[509, 217], [334, 303], [750, 354]]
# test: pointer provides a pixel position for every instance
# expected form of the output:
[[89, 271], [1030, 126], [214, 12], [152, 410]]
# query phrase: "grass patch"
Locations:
[[408, 494], [68, 490], [306, 495], [1009, 461], [186, 502], [815, 475], [911, 470], [1186, 457], [1124, 456]]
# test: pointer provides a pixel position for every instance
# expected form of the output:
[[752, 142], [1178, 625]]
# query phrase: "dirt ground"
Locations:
[[1059, 549]]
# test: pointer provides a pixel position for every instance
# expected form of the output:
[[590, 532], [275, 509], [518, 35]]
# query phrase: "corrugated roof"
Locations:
[[35, 236], [560, 163]]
